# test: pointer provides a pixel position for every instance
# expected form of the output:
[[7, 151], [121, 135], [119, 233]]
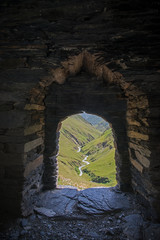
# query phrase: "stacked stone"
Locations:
[[43, 45]]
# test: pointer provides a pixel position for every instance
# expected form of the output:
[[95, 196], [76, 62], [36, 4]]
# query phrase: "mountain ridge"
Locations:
[[96, 121]]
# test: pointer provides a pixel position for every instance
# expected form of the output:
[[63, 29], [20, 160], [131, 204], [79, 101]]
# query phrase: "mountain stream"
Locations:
[[84, 161]]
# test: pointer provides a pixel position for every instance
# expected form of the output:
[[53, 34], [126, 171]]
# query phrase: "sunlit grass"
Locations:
[[76, 132]]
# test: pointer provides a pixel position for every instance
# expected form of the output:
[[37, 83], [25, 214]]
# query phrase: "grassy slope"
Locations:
[[79, 130], [96, 145], [101, 160], [102, 125], [75, 132]]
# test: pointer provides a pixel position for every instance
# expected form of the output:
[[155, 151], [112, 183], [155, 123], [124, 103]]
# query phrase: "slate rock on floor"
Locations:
[[99, 214], [132, 227], [103, 200], [89, 201], [60, 201]]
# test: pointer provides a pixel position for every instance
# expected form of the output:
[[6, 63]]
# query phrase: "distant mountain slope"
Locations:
[[102, 126], [101, 153], [98, 144], [77, 132], [96, 121]]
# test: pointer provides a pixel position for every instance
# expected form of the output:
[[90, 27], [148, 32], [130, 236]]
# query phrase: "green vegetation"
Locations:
[[77, 170], [101, 154], [76, 132], [102, 126], [79, 130]]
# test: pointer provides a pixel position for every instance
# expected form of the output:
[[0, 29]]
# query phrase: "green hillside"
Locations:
[[101, 154], [96, 121], [97, 145], [102, 125], [77, 132]]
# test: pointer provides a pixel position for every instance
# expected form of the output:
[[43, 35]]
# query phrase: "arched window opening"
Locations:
[[86, 152]]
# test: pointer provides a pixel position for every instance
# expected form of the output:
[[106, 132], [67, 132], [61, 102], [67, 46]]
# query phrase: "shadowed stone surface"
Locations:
[[48, 223], [133, 226], [89, 201], [152, 232], [45, 47], [44, 211], [98, 201], [62, 201]]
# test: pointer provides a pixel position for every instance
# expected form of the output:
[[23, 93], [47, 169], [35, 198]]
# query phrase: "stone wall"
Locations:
[[104, 55], [21, 137], [87, 93]]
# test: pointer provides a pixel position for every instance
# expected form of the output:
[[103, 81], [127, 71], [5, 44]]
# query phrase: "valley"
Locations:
[[86, 153]]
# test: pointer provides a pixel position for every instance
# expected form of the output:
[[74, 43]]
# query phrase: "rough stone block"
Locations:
[[32, 129], [143, 160], [33, 144], [152, 232], [138, 135], [34, 107], [133, 122], [143, 150], [97, 201], [33, 165], [137, 165], [44, 211], [132, 227]]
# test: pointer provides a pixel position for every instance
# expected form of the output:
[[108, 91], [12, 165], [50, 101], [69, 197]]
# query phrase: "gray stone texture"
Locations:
[[106, 53], [101, 200], [132, 227], [93, 201]]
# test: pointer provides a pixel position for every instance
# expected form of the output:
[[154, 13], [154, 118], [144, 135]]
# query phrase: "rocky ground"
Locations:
[[91, 214]]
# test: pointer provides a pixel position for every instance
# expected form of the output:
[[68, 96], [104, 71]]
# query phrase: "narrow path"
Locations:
[[84, 161]]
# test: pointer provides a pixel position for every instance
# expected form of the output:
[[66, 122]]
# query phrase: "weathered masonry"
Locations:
[[59, 58]]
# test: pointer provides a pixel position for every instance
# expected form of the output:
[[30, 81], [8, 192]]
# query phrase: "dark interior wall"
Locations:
[[49, 41]]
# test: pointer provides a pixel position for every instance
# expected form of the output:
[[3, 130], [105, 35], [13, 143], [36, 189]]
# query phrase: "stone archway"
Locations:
[[85, 93], [47, 43], [125, 106]]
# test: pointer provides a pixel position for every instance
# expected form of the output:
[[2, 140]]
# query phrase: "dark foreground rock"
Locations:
[[132, 227], [91, 214], [61, 201], [91, 201], [152, 232], [104, 200]]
